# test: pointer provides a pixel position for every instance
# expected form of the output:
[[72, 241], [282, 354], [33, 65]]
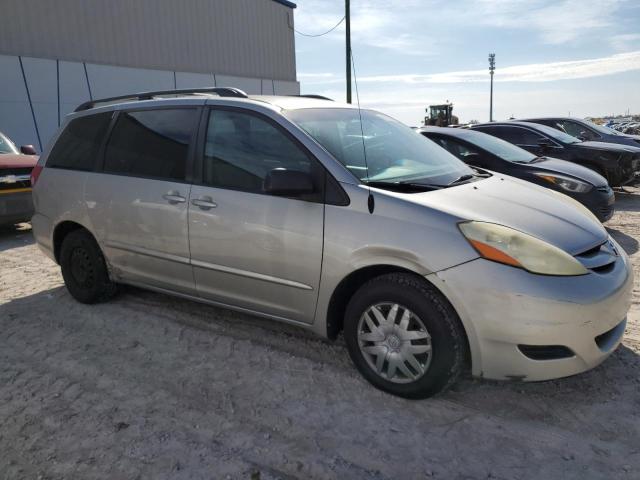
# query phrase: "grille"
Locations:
[[14, 178], [609, 338], [599, 259], [545, 352]]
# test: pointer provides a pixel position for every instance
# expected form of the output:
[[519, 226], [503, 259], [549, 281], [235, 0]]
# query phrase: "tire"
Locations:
[[84, 269], [436, 369]]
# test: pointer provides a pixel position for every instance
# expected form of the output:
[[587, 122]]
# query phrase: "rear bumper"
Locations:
[[43, 233], [630, 174], [15, 206], [504, 308]]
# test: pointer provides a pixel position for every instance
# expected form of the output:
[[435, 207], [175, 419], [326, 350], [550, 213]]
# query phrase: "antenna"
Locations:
[[370, 200], [349, 55]]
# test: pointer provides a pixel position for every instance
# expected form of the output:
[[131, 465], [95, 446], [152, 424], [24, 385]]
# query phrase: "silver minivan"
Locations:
[[335, 219]]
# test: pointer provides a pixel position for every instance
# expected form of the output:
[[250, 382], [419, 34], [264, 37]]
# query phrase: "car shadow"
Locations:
[[15, 236], [627, 201], [629, 243]]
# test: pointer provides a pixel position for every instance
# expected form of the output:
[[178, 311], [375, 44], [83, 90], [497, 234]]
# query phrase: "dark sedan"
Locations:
[[619, 164], [491, 153], [588, 131]]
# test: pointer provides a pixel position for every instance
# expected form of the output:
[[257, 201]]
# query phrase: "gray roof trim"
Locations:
[[286, 3]]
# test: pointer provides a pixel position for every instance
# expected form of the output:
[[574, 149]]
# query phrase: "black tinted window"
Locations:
[[516, 135], [575, 129], [458, 149], [242, 148], [151, 143], [79, 144]]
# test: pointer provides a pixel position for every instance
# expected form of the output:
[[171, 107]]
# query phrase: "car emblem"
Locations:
[[8, 179]]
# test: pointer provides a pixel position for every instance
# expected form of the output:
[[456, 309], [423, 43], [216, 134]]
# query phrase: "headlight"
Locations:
[[511, 247], [565, 183]]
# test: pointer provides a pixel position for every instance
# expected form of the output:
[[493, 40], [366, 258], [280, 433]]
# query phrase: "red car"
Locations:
[[15, 185]]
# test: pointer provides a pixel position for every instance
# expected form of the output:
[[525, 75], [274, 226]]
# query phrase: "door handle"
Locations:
[[204, 203], [174, 198]]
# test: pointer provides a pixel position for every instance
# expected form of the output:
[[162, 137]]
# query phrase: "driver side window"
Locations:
[[576, 130], [241, 148], [458, 149]]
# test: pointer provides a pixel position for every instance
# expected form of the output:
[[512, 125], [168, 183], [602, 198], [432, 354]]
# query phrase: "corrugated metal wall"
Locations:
[[248, 38], [36, 93]]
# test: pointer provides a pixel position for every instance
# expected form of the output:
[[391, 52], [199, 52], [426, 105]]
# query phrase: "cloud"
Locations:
[[373, 24], [414, 27], [624, 42], [535, 72], [556, 22]]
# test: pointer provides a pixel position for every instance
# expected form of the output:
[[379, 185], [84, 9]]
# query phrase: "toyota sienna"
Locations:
[[335, 219]]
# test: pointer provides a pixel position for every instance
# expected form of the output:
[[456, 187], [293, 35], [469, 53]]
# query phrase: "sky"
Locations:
[[562, 57]]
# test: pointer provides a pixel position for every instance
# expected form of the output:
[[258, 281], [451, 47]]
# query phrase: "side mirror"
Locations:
[[281, 181], [28, 150], [545, 144], [583, 136]]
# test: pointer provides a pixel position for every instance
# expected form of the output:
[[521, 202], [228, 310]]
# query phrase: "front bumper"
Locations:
[[15, 206], [503, 307], [600, 201]]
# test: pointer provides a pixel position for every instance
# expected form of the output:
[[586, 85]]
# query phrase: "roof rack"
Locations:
[[220, 91], [319, 97]]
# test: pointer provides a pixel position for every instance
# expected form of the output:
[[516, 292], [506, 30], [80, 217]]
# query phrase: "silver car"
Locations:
[[337, 220]]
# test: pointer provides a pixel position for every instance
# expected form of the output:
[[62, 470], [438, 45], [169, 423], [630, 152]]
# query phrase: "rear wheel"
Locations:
[[404, 337], [84, 269]]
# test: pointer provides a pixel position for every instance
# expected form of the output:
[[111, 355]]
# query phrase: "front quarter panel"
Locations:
[[398, 233]]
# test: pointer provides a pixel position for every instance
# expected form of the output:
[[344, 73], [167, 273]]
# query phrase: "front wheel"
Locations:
[[404, 337]]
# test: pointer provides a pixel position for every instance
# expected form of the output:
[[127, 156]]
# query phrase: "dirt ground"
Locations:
[[149, 386]]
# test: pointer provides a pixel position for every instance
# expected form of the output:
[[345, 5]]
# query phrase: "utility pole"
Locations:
[[492, 67], [347, 17]]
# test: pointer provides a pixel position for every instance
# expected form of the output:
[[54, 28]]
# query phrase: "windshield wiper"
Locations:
[[461, 179], [403, 185], [469, 176]]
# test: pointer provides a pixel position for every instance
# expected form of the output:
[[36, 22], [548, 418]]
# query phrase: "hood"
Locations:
[[611, 147], [17, 160], [568, 168], [631, 137], [538, 211]]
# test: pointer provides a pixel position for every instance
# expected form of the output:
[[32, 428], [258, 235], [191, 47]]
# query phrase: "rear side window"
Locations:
[[79, 143], [151, 143]]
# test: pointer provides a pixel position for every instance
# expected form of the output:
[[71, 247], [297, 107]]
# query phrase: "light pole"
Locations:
[[492, 67], [347, 17]]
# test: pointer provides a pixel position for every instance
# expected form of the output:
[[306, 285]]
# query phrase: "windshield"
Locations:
[[394, 152], [500, 148], [557, 134], [6, 145], [602, 128]]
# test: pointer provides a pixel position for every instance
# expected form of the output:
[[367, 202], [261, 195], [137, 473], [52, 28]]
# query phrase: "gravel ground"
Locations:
[[149, 386]]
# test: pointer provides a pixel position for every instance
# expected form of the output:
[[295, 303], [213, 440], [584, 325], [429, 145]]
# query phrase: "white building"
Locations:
[[55, 55]]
